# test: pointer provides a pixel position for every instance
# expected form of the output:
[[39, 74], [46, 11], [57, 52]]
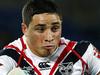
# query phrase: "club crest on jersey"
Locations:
[[28, 70], [66, 68]]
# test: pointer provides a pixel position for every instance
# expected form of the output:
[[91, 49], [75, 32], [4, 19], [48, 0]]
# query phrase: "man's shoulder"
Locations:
[[10, 53], [7, 51], [16, 43], [81, 46], [81, 42]]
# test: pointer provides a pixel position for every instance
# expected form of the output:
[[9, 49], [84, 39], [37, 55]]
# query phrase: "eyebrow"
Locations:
[[40, 25], [43, 25], [55, 23]]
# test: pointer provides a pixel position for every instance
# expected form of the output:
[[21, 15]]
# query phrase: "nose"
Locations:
[[49, 37]]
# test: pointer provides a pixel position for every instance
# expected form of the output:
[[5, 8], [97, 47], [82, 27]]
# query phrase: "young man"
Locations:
[[42, 50]]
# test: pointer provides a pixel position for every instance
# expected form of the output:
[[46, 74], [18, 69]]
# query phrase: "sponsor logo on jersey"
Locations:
[[66, 68], [44, 66]]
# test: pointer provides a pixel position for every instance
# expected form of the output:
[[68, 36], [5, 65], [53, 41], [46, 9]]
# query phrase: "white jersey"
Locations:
[[71, 58]]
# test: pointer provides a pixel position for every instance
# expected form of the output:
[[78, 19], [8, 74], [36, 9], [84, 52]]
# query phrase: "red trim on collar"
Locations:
[[28, 59], [22, 55]]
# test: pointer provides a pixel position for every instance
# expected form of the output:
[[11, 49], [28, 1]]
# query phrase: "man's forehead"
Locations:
[[46, 17]]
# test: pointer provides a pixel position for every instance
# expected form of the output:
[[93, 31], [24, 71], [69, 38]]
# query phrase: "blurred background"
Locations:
[[81, 20]]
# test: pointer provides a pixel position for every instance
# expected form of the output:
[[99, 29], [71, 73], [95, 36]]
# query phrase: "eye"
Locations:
[[55, 28], [40, 29]]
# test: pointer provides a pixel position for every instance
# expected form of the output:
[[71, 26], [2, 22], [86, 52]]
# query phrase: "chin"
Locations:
[[46, 53]]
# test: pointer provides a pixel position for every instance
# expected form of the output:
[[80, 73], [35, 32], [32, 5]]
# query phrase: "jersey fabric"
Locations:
[[71, 58]]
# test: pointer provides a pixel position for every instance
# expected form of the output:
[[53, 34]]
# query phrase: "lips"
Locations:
[[49, 47]]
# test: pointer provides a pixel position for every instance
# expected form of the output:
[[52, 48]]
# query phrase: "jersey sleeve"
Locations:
[[6, 64], [92, 56]]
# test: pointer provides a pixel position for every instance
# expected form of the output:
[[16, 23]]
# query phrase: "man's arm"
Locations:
[[6, 64]]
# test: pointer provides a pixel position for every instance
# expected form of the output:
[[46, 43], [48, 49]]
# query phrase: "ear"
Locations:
[[24, 28]]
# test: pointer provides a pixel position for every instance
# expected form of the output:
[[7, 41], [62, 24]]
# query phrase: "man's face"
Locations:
[[43, 34]]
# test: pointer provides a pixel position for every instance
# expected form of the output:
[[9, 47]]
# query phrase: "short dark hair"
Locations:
[[37, 7]]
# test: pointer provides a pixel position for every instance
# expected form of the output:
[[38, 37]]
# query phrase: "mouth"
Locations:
[[49, 47]]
